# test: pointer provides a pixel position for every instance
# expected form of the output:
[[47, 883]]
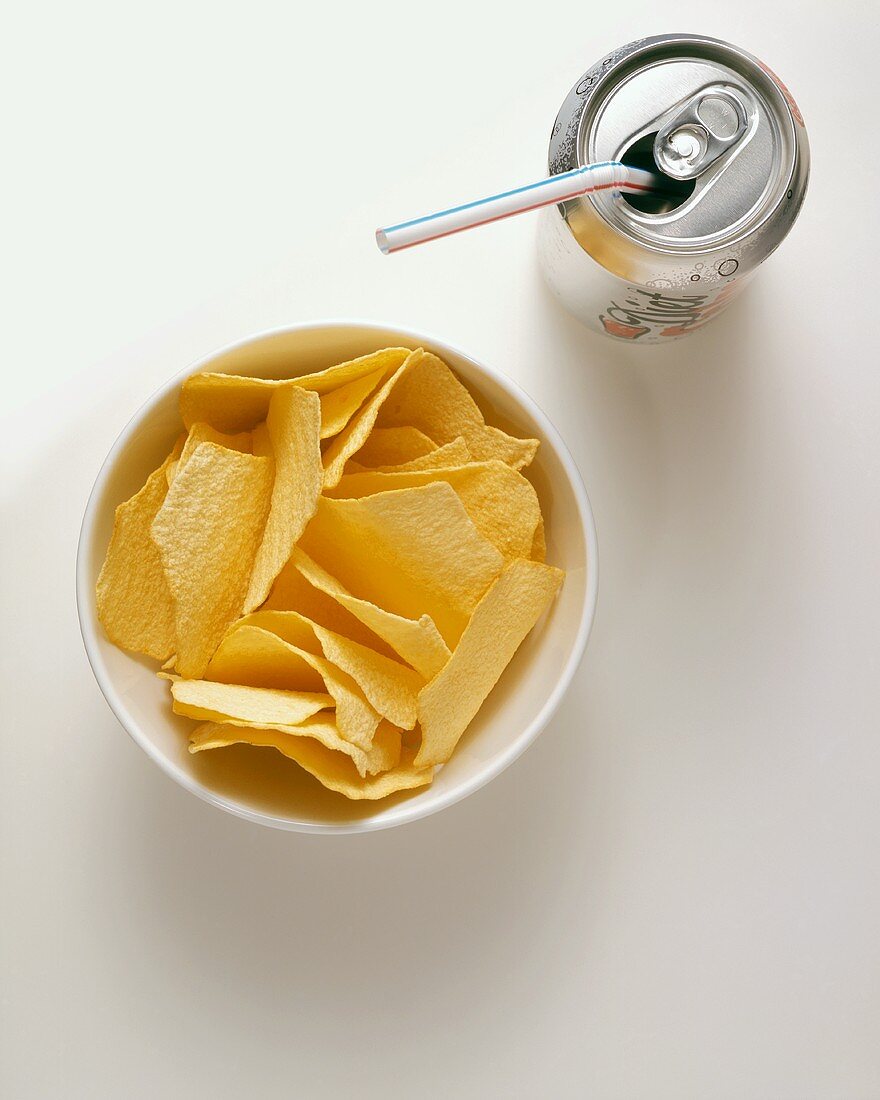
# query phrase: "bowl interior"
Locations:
[[259, 784]]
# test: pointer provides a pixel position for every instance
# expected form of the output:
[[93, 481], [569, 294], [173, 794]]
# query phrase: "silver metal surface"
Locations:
[[732, 141], [708, 125]]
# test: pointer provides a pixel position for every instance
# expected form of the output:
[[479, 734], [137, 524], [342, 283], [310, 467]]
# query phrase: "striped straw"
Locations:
[[610, 175]]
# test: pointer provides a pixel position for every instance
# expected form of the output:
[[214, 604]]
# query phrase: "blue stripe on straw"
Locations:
[[503, 195]]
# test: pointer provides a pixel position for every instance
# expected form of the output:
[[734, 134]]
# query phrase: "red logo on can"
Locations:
[[789, 98]]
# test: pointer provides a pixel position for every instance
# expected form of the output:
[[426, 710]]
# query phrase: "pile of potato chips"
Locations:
[[338, 566]]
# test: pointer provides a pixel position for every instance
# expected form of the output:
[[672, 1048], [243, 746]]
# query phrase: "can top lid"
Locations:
[[713, 119]]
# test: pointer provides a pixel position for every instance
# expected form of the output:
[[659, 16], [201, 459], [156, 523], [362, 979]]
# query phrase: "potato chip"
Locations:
[[293, 592], [433, 400], [425, 555], [339, 406], [261, 443], [390, 687], [258, 658], [323, 381], [416, 641], [332, 769], [502, 504], [213, 702], [455, 453], [391, 446], [207, 531], [499, 624], [539, 543], [233, 403], [293, 425], [355, 433], [134, 601], [385, 751], [382, 755], [170, 463], [204, 433]]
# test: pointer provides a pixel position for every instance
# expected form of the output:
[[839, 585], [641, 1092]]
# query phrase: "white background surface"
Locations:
[[675, 893]]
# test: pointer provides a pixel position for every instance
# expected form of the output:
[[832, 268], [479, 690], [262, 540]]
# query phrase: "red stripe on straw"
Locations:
[[521, 210]]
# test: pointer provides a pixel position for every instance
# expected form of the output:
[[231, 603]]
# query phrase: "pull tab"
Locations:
[[708, 125]]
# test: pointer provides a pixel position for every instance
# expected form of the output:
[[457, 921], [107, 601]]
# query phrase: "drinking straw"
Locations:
[[609, 175]]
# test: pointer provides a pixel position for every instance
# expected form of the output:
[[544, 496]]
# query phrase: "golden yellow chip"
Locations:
[[416, 641], [207, 532], [455, 453], [333, 769], [382, 755], [134, 602], [425, 555], [391, 446], [204, 433], [433, 400], [502, 504], [355, 433], [390, 687], [214, 702], [339, 406], [293, 592], [539, 544], [170, 463], [385, 751], [499, 624], [261, 443], [233, 403], [293, 425], [256, 657]]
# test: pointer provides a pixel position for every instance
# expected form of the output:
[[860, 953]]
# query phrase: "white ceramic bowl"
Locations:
[[260, 786]]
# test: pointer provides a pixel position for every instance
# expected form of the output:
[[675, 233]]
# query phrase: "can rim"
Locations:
[[615, 213]]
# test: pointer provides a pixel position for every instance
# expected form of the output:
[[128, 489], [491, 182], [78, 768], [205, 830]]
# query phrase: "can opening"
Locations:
[[641, 155]]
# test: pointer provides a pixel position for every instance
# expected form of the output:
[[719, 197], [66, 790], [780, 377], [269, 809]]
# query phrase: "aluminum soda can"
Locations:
[[729, 139]]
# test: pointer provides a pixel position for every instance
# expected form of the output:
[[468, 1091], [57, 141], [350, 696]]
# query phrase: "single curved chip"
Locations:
[[455, 453], [207, 532], [433, 400], [425, 555], [384, 753], [213, 702], [391, 688], [339, 406], [235, 403], [502, 504], [259, 658], [293, 592], [332, 769], [539, 543], [293, 425], [261, 443], [134, 602], [204, 433], [355, 433], [499, 624], [391, 446], [416, 641]]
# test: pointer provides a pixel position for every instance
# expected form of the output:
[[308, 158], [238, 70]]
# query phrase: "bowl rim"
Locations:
[[410, 810]]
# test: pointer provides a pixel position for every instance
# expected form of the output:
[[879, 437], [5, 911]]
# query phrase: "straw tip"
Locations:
[[382, 242]]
